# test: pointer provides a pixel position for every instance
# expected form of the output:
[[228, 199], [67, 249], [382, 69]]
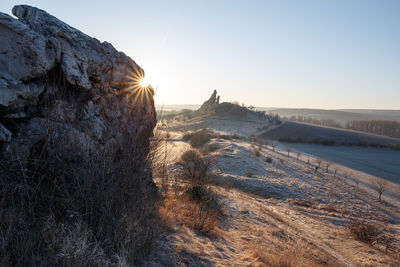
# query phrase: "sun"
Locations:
[[143, 82]]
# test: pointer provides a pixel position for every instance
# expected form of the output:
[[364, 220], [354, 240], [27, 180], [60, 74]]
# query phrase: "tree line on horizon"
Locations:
[[381, 127]]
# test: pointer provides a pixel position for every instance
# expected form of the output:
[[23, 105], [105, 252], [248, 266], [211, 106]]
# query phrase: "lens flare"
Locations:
[[136, 87], [143, 82]]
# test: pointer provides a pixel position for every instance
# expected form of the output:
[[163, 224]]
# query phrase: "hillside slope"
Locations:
[[283, 211]]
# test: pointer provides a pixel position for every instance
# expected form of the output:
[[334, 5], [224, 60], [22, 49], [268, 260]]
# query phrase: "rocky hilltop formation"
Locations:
[[74, 140], [210, 104], [228, 110]]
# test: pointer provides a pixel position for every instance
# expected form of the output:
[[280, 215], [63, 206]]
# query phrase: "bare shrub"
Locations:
[[199, 138], [288, 151], [187, 135], [380, 185], [298, 154], [365, 232], [374, 234], [256, 152], [249, 174], [194, 169], [192, 204], [268, 159], [301, 202], [235, 136]]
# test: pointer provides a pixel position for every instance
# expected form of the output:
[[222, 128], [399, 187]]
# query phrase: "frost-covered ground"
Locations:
[[285, 207]]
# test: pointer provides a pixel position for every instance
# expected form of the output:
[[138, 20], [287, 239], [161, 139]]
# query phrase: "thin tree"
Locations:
[[298, 155], [356, 181], [380, 185], [319, 161], [288, 151], [327, 165]]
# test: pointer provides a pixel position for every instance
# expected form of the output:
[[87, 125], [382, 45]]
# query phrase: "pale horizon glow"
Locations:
[[341, 54]]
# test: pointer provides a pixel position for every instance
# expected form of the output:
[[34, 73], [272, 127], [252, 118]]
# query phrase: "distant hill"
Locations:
[[307, 133], [340, 115], [343, 115]]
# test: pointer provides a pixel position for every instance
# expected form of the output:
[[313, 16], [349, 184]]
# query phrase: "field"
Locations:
[[302, 132], [378, 162]]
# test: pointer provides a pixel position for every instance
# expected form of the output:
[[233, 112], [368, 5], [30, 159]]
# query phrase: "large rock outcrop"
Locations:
[[58, 81], [75, 126], [210, 104]]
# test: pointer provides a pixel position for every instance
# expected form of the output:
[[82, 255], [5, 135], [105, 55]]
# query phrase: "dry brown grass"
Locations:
[[285, 252], [378, 235], [67, 206], [190, 202], [197, 215]]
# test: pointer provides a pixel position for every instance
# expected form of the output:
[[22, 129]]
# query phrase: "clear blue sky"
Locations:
[[311, 54]]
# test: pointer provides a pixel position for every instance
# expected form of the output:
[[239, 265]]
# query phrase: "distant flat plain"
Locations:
[[376, 161]]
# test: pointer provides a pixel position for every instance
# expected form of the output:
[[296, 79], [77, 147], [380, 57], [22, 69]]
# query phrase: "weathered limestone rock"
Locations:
[[210, 104], [54, 78]]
